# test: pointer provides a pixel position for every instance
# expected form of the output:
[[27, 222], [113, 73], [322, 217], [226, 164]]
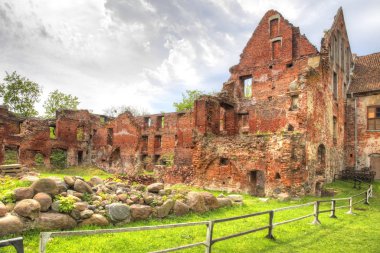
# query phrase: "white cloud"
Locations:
[[144, 52]]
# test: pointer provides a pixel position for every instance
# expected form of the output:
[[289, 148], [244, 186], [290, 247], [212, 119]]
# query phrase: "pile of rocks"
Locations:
[[53, 203]]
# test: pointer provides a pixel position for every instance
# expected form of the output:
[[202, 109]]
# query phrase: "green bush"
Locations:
[[66, 204], [10, 156], [58, 159], [8, 197], [39, 159]]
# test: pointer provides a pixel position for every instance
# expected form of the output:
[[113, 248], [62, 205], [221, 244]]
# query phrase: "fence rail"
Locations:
[[45, 236]]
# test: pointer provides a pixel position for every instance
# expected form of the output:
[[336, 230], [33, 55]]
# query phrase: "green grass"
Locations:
[[83, 171], [9, 183], [347, 233]]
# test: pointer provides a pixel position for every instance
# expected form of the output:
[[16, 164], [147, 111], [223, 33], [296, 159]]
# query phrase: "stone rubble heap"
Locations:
[[53, 203]]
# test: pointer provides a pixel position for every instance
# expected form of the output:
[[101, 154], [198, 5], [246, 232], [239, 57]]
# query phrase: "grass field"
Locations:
[[347, 233]]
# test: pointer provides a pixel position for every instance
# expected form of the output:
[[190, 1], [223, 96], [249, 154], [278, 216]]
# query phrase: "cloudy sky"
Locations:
[[145, 53]]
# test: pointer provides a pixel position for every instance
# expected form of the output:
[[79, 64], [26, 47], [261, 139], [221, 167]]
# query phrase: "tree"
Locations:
[[188, 99], [58, 100], [114, 111], [20, 94]]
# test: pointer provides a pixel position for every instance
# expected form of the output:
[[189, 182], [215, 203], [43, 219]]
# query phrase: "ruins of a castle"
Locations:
[[287, 120]]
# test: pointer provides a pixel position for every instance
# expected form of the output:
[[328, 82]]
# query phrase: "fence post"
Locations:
[[270, 229], [333, 204], [350, 204], [316, 213], [370, 187], [366, 201], [44, 238], [210, 228]]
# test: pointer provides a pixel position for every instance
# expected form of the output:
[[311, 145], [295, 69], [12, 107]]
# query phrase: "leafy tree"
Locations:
[[20, 94], [188, 99], [58, 100], [114, 111]]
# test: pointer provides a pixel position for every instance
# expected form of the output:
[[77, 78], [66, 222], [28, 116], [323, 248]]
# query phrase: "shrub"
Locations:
[[58, 158], [66, 204], [8, 197]]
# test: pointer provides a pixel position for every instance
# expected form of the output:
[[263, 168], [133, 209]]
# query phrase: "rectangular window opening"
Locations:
[[160, 122], [335, 86], [335, 130], [110, 136], [247, 86], [147, 122], [157, 141], [53, 135], [80, 133], [373, 118], [274, 28]]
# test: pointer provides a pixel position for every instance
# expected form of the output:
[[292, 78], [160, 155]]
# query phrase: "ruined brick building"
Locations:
[[287, 120]]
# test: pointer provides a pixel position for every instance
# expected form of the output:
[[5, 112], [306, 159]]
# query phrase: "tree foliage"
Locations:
[[188, 99], [20, 94], [58, 100], [114, 111]]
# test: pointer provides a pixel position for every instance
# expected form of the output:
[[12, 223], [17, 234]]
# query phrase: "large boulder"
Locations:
[[95, 219], [44, 199], [140, 212], [23, 193], [222, 202], [164, 210], [180, 208], [50, 221], [46, 185], [196, 202], [3, 209], [210, 200], [155, 188], [82, 186], [118, 212], [10, 224], [28, 208], [69, 180], [96, 180]]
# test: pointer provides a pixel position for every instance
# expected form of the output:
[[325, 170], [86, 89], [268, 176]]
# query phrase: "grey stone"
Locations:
[[283, 196], [80, 206], [222, 202], [164, 210], [46, 185], [23, 193], [50, 221], [235, 197], [180, 208], [44, 199], [196, 202], [55, 206], [69, 180], [155, 188], [86, 214], [140, 212], [3, 209], [210, 200], [96, 181], [95, 219], [10, 224], [28, 208], [118, 212], [81, 186]]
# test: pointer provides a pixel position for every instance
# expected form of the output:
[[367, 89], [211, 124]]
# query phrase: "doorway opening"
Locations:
[[257, 183]]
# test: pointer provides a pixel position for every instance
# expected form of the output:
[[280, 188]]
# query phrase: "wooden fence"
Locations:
[[210, 240]]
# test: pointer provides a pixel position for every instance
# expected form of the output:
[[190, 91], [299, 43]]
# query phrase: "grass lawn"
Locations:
[[347, 233]]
